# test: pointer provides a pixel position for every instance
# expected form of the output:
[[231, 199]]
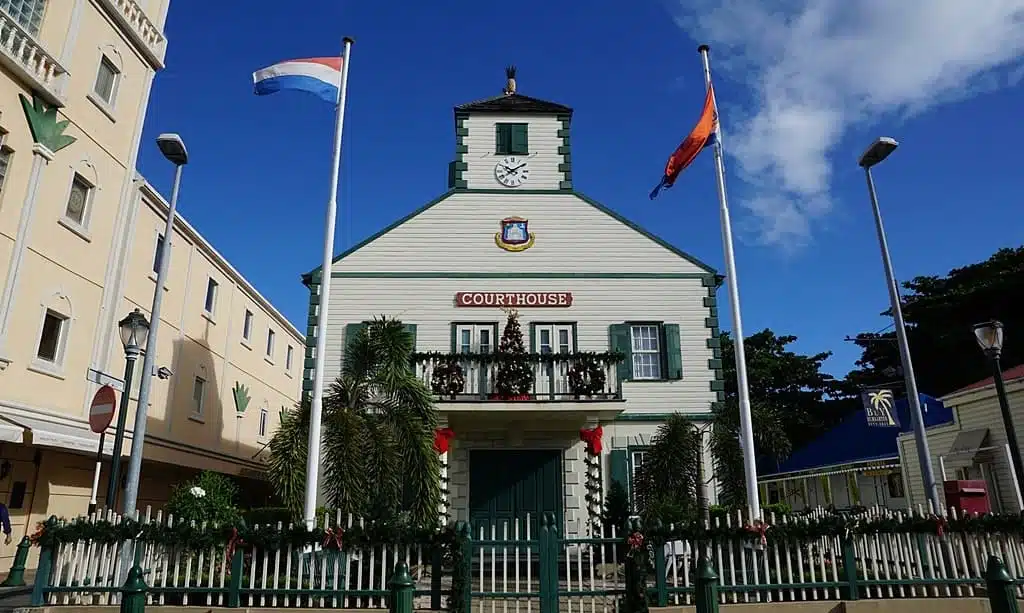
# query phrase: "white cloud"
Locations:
[[819, 67]]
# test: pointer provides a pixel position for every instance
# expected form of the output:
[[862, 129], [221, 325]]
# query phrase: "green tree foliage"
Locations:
[[770, 439], [210, 497], [514, 377], [940, 312], [378, 434], [666, 484]]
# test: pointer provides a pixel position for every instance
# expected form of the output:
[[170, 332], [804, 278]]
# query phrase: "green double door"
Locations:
[[507, 486]]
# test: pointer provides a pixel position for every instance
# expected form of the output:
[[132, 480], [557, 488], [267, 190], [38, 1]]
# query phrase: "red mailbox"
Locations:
[[967, 496]]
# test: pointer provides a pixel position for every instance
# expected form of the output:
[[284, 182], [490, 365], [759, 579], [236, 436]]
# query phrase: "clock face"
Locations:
[[512, 171]]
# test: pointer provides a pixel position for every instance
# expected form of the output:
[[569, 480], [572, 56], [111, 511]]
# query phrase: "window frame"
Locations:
[[505, 138], [115, 80], [6, 162], [659, 352], [632, 451], [264, 419], [247, 320], [31, 25], [59, 344], [271, 344], [289, 359], [210, 299], [158, 252], [197, 412], [90, 191]]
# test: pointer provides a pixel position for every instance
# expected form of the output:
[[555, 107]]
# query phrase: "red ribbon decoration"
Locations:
[[592, 437], [234, 542], [759, 528], [442, 439], [940, 525], [333, 536]]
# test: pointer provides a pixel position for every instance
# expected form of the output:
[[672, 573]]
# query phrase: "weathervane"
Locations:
[[510, 83]]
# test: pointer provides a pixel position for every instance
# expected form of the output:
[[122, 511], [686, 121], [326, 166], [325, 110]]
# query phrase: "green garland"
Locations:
[[497, 357]]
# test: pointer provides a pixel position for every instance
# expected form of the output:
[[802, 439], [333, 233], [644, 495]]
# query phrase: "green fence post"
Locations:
[[133, 594], [464, 570], [401, 590], [554, 549], [544, 559], [235, 585], [435, 578], [850, 569], [706, 593], [16, 578], [660, 569], [43, 573], [1002, 596]]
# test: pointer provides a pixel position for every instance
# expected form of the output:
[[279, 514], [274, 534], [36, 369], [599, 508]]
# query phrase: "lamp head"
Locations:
[[173, 148], [878, 151], [990, 337], [134, 330]]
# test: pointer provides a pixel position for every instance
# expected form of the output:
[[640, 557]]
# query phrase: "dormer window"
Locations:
[[511, 139]]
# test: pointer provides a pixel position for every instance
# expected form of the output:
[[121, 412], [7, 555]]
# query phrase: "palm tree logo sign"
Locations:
[[880, 403]]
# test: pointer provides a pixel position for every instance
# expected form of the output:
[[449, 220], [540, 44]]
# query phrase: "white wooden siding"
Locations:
[[597, 303], [972, 410], [542, 141], [457, 235]]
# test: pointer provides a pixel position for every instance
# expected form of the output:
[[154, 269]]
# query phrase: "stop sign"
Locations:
[[101, 411]]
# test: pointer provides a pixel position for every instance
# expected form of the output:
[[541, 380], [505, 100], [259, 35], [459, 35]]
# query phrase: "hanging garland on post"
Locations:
[[442, 442], [592, 460]]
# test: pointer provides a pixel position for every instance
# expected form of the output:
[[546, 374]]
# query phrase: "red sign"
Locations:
[[513, 299], [101, 411]]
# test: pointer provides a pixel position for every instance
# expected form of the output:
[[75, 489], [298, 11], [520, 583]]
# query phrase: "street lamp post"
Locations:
[[134, 330], [174, 150], [990, 339], [878, 151]]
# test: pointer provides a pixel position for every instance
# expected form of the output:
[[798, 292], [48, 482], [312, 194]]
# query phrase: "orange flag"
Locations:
[[702, 135]]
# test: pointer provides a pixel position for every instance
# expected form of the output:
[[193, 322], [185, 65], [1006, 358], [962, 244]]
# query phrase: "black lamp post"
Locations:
[[990, 339], [134, 331]]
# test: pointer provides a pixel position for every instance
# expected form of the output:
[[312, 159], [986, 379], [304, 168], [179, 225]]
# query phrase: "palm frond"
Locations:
[[345, 462], [666, 483], [288, 450]]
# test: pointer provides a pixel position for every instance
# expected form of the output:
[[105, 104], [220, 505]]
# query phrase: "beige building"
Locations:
[[79, 232], [974, 446]]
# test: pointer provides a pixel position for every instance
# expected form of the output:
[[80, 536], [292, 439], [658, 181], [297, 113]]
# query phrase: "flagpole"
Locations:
[[317, 401], [746, 428]]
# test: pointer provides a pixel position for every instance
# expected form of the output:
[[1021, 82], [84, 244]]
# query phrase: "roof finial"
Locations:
[[510, 83]]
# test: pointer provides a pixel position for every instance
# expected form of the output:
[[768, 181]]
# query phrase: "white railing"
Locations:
[[139, 27], [179, 577], [550, 381], [26, 56]]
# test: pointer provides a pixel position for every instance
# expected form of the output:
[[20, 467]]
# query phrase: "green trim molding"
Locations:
[[714, 341], [46, 129], [437, 274], [312, 320], [461, 149], [564, 150], [708, 274], [659, 417]]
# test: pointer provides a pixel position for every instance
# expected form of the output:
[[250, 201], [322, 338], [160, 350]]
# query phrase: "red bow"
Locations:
[[233, 543], [940, 525], [333, 536], [592, 437], [760, 528], [442, 439]]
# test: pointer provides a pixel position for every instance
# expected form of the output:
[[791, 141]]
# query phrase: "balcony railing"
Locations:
[[140, 28], [556, 377], [24, 56]]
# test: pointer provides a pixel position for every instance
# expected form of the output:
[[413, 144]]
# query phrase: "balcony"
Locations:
[[585, 382], [22, 54], [138, 27]]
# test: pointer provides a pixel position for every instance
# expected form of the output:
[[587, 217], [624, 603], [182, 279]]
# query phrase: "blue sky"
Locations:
[[802, 90]]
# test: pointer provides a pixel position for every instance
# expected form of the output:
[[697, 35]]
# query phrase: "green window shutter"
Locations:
[[451, 175], [411, 329], [673, 352], [618, 340], [533, 337], [619, 469], [502, 138], [455, 341], [519, 143], [352, 331]]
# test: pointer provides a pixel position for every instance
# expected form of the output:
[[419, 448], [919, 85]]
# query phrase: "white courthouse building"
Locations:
[[515, 232]]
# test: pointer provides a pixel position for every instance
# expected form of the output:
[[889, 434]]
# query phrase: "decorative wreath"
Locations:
[[448, 378], [586, 377]]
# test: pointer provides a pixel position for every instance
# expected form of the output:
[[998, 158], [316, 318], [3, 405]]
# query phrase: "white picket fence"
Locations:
[[507, 560], [87, 573]]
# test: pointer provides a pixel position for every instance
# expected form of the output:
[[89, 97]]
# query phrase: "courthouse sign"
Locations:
[[513, 299]]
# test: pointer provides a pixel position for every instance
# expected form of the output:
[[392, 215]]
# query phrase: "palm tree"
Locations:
[[770, 439], [666, 483], [378, 434]]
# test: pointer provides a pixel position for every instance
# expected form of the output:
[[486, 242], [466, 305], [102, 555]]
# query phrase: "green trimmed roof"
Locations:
[[306, 278], [513, 103]]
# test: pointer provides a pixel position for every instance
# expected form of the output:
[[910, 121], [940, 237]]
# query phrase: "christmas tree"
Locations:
[[515, 373]]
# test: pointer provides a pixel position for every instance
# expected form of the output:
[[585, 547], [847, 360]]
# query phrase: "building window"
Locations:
[[106, 80], [895, 483], [28, 13], [158, 253], [637, 458], [646, 350], [288, 358], [5, 158], [211, 296], [263, 422], [198, 395], [511, 139], [247, 325], [270, 343], [78, 200], [52, 336]]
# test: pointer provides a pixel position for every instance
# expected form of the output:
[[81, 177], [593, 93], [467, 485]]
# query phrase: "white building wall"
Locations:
[[543, 143]]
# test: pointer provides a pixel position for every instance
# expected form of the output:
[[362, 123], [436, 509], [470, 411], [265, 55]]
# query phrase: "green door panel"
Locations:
[[505, 486]]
